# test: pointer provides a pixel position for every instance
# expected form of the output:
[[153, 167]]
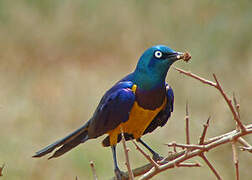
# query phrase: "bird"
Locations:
[[136, 105]]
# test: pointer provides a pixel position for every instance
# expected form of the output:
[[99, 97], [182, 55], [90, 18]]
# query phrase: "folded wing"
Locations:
[[113, 109], [163, 116]]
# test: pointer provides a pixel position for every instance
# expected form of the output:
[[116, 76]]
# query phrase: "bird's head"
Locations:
[[154, 64]]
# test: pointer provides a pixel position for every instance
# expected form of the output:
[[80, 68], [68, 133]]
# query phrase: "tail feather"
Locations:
[[70, 145], [67, 143]]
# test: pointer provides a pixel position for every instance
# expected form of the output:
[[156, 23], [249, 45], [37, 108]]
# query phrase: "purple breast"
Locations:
[[150, 99]]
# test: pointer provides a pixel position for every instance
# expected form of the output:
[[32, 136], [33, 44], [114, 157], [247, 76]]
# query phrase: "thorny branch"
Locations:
[[246, 145], [187, 124], [237, 105], [210, 166], [229, 102], [186, 146], [126, 152], [177, 159], [217, 86], [235, 159], [146, 156], [203, 135]]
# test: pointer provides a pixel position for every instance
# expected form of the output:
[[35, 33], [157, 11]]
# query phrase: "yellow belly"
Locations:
[[139, 120]]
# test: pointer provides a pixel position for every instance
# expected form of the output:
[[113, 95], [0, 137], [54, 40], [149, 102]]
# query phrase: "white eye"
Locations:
[[158, 54]]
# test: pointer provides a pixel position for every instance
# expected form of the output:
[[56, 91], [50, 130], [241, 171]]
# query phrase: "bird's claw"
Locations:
[[119, 174], [156, 157]]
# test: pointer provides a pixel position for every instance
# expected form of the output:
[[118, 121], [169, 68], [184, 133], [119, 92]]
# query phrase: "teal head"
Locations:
[[153, 66]]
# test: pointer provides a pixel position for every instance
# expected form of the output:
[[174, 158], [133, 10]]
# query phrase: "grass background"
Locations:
[[57, 58]]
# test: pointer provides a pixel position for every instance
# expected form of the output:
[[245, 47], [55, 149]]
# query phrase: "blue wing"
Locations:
[[163, 116], [113, 109]]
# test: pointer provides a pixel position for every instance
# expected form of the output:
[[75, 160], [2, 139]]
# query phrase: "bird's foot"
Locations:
[[156, 157], [119, 174]]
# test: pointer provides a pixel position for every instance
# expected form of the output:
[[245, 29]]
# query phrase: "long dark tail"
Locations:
[[67, 143]]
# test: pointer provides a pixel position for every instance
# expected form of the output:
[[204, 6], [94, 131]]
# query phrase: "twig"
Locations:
[[145, 168], [211, 166], [126, 152], [196, 77], [146, 155], [197, 152], [174, 146], [174, 159], [186, 146], [1, 170], [187, 125], [235, 159], [93, 170], [178, 159], [217, 86], [189, 165], [203, 135], [229, 102], [237, 106], [249, 149], [247, 146], [217, 138], [243, 142]]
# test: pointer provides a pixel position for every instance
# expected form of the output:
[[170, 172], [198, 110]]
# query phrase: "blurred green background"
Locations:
[[57, 58]]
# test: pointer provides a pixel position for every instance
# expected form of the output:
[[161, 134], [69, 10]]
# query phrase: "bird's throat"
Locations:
[[150, 99]]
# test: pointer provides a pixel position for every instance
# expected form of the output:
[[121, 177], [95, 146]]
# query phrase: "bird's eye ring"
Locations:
[[158, 54]]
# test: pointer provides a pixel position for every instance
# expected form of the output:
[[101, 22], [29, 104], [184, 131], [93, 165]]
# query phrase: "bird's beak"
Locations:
[[175, 56], [179, 55]]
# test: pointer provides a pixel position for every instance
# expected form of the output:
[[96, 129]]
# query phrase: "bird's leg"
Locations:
[[155, 155], [118, 172]]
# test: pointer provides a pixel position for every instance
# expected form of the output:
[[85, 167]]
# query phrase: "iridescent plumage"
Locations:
[[137, 105]]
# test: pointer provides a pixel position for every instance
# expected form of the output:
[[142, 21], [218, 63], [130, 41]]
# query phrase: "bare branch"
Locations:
[[243, 142], [195, 77], [126, 152], [176, 158], [237, 106], [203, 135], [146, 156], [189, 165], [211, 166], [187, 125], [93, 170], [174, 146], [192, 150], [249, 149], [197, 152], [217, 86], [229, 102], [217, 138], [235, 160], [186, 146], [145, 168], [247, 146], [172, 157]]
